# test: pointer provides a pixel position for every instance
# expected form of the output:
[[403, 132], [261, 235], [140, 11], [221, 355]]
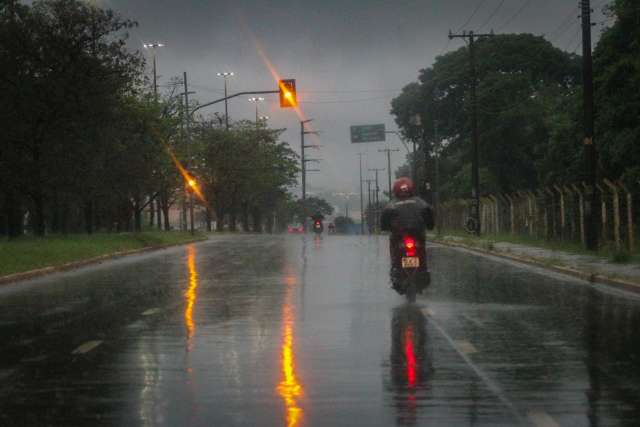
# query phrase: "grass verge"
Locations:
[[488, 243], [32, 253]]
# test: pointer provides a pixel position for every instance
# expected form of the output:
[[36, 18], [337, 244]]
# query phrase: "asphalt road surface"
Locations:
[[296, 331]]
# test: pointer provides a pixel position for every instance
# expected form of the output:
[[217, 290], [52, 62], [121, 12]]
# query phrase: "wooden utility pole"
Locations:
[[361, 197], [591, 211], [376, 219], [389, 151], [188, 136], [475, 174], [304, 170]]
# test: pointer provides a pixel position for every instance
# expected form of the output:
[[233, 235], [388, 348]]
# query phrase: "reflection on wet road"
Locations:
[[289, 387], [297, 331], [191, 295]]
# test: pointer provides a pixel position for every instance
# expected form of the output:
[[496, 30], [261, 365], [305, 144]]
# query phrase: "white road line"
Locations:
[[540, 418], [86, 347], [429, 312], [151, 311], [473, 320], [466, 347], [495, 388]]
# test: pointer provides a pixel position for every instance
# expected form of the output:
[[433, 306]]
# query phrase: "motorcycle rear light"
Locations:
[[410, 246]]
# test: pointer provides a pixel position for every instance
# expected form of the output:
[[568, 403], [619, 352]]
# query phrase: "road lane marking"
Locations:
[[478, 323], [429, 312], [540, 418], [495, 388], [466, 347], [151, 311], [86, 347]]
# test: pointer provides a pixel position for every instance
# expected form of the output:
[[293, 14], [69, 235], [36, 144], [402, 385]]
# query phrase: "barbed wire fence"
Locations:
[[556, 212]]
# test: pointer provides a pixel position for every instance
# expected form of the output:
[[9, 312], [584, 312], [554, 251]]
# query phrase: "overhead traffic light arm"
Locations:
[[286, 89], [253, 92]]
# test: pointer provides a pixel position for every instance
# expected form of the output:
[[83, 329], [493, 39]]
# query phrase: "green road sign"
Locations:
[[367, 133]]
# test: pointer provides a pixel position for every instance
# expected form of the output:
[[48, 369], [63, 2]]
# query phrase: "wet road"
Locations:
[[263, 330]]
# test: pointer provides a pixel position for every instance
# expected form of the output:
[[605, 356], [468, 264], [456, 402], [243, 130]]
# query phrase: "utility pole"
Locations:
[[188, 134], [361, 197], [304, 170], [475, 175], [369, 182], [388, 151], [591, 211], [376, 198], [436, 178]]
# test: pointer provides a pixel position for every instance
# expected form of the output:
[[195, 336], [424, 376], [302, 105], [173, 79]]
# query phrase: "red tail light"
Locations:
[[410, 246]]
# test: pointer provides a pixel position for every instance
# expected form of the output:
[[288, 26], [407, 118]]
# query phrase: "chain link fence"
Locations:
[[556, 212]]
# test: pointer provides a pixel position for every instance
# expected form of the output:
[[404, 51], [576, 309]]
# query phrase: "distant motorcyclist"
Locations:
[[406, 215]]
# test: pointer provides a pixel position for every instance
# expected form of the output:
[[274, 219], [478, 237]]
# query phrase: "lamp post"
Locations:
[[256, 100], [225, 75], [153, 47]]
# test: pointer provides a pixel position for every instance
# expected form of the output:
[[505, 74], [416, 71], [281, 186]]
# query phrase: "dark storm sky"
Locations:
[[350, 58]]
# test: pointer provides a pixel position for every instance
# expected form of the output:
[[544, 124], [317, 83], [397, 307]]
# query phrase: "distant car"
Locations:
[[295, 229]]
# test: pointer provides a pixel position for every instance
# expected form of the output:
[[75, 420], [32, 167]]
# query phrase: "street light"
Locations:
[[225, 75], [256, 100], [153, 47]]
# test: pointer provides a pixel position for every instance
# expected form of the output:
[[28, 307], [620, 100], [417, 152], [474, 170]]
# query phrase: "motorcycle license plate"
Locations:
[[410, 262]]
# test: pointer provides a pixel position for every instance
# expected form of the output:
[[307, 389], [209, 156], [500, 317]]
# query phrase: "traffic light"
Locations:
[[288, 97]]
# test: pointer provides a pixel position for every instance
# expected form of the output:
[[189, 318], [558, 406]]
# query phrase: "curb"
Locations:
[[31, 274], [626, 285]]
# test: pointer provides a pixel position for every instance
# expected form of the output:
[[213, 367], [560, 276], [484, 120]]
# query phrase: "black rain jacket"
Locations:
[[412, 215]]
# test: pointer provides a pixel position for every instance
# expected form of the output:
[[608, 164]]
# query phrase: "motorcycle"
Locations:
[[318, 228], [410, 274]]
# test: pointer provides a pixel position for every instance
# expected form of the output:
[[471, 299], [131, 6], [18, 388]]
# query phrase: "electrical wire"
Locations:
[[515, 15], [564, 24], [472, 15], [493, 14], [572, 40]]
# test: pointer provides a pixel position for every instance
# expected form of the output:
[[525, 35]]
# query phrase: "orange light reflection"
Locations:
[[289, 387], [191, 295]]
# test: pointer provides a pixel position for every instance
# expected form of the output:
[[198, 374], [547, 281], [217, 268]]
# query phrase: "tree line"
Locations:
[[529, 110], [86, 146]]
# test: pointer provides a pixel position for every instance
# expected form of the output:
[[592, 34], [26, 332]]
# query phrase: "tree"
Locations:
[[245, 172], [518, 77], [617, 94], [65, 74]]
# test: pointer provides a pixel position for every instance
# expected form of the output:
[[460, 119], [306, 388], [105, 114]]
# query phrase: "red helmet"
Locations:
[[403, 188]]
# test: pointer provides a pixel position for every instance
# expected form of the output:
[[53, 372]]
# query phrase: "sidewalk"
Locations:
[[589, 267]]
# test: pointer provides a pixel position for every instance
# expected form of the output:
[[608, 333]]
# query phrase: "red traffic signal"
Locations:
[[288, 96]]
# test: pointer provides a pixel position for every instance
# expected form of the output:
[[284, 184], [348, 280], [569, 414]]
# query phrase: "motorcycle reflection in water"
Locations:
[[411, 362]]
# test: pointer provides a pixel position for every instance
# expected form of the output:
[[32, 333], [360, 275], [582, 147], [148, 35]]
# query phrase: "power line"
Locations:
[[515, 15], [493, 14], [471, 16], [565, 22], [572, 40]]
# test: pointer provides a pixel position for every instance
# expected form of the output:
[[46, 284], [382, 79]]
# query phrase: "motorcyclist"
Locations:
[[406, 215]]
